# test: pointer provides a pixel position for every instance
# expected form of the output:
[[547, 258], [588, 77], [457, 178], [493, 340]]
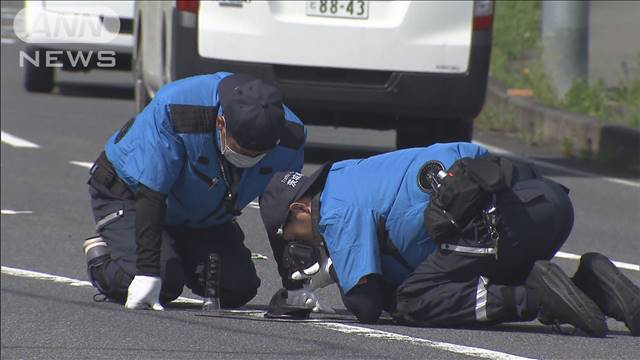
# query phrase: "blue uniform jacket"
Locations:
[[358, 192], [185, 165]]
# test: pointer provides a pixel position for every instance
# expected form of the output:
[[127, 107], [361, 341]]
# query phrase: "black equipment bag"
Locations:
[[463, 193]]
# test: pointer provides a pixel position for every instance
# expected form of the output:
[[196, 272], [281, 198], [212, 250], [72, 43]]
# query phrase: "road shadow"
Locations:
[[257, 313], [77, 89]]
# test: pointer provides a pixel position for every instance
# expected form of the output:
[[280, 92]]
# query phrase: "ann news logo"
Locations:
[[74, 26]]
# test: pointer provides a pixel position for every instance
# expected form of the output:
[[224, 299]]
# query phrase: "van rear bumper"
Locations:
[[356, 97]]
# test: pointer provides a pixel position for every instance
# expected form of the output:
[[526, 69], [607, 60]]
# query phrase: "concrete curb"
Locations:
[[578, 134]]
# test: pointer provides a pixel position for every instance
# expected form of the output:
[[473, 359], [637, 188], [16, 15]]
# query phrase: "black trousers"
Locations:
[[183, 253], [456, 286]]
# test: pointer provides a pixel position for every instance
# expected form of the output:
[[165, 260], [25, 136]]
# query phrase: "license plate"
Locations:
[[350, 9]]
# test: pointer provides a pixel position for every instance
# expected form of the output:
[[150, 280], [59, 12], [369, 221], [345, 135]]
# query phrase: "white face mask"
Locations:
[[237, 159]]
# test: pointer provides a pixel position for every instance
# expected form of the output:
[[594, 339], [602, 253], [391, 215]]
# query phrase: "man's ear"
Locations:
[[219, 122]]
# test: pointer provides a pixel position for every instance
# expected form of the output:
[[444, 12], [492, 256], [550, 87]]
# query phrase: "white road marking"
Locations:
[[85, 164], [68, 281], [343, 328], [15, 212], [16, 141], [454, 348], [8, 41], [619, 264], [499, 151], [43, 276]]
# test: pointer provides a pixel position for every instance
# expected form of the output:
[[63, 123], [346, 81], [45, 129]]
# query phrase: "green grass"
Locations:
[[516, 61]]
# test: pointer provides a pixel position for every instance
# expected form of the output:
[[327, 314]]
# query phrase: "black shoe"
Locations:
[[561, 302], [613, 292]]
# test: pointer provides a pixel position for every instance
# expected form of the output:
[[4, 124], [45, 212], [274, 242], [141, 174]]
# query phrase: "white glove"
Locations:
[[316, 276], [144, 293]]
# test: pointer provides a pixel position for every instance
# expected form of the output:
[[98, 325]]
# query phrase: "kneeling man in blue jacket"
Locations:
[[168, 187], [361, 224]]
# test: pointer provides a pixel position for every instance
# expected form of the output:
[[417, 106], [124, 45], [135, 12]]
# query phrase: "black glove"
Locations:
[[298, 257]]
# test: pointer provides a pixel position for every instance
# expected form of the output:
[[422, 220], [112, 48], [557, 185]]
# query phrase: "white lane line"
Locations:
[[85, 164], [343, 328], [16, 141], [42, 276], [8, 41], [385, 335], [15, 212], [619, 264], [499, 151], [68, 281]]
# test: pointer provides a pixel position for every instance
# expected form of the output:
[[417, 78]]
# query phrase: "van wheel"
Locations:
[[423, 132], [37, 78]]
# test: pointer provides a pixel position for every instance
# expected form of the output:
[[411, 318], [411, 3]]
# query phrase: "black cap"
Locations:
[[253, 111], [285, 188]]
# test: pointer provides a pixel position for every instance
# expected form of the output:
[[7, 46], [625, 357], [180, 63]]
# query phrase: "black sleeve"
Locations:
[[150, 212], [365, 301]]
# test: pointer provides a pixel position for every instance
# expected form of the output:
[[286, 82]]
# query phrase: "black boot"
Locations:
[[613, 292], [561, 302]]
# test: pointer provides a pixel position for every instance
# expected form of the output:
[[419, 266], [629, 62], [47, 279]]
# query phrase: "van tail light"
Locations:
[[482, 14], [188, 5]]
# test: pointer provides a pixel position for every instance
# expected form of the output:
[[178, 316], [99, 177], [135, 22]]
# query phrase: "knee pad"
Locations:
[[112, 283]]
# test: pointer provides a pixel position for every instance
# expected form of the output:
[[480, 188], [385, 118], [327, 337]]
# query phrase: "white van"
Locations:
[[73, 36], [416, 66]]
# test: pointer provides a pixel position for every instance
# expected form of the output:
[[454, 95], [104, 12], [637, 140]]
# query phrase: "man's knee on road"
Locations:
[[111, 280], [366, 312], [365, 301]]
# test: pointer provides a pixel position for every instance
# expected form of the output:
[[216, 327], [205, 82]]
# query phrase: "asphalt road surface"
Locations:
[[48, 311]]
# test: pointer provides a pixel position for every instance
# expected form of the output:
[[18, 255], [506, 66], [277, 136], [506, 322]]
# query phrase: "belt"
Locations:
[[103, 173]]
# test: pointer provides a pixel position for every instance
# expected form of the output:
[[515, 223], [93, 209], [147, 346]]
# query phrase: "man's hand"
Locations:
[[316, 276], [144, 293]]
